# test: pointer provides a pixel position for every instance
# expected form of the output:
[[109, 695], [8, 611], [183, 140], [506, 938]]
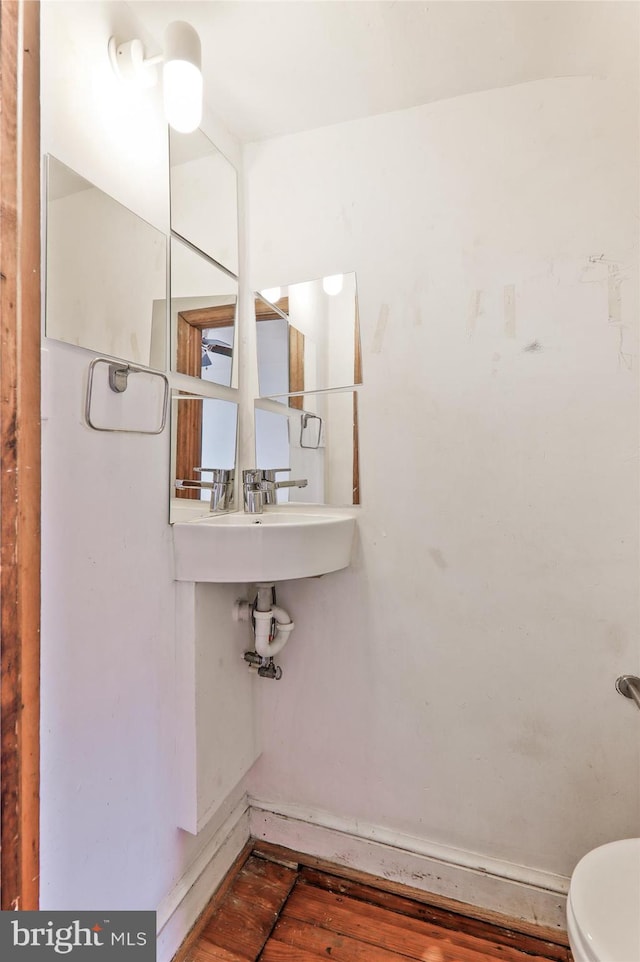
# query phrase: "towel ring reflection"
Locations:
[[304, 421]]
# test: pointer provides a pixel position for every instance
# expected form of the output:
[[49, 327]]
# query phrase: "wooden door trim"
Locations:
[[296, 366], [265, 312], [20, 453], [191, 324]]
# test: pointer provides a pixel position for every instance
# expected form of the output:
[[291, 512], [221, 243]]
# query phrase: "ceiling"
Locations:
[[274, 67]]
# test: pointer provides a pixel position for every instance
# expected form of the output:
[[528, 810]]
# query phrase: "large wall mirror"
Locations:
[[204, 301], [308, 337], [205, 437], [203, 312], [318, 441], [105, 272], [204, 197]]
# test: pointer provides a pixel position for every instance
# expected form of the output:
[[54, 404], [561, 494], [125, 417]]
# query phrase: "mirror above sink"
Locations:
[[106, 273], [317, 442], [204, 302], [203, 314], [204, 196], [308, 337], [204, 439]]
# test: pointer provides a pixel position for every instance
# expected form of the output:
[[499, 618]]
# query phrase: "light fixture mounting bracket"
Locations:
[[129, 62]]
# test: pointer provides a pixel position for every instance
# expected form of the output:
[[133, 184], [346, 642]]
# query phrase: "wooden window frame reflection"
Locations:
[[190, 326]]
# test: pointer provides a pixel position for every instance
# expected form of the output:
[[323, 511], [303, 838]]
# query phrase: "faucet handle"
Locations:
[[219, 474], [252, 493], [252, 475], [270, 473]]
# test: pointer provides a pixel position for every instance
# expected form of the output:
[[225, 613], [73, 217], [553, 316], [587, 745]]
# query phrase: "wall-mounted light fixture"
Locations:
[[181, 72], [332, 285]]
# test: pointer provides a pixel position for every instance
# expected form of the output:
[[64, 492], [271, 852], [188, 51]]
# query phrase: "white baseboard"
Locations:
[[514, 890], [179, 910], [498, 886]]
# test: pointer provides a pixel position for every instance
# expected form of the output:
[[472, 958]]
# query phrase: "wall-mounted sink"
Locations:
[[288, 541]]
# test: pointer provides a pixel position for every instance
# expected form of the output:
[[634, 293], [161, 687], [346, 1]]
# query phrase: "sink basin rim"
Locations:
[[283, 543]]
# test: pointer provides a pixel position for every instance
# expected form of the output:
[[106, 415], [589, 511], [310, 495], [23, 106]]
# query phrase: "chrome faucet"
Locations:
[[271, 485], [259, 487], [252, 490], [221, 487]]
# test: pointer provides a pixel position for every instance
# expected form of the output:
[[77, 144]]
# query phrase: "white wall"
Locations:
[[109, 834], [456, 684]]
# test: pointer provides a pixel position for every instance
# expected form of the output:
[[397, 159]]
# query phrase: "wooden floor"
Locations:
[[272, 912]]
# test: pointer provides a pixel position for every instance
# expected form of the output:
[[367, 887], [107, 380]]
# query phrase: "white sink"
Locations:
[[289, 541]]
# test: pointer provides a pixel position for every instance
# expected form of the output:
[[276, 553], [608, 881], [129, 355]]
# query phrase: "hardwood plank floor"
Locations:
[[445, 918], [399, 935], [246, 917], [273, 912]]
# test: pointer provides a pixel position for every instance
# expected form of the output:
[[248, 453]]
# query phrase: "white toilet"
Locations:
[[603, 907]]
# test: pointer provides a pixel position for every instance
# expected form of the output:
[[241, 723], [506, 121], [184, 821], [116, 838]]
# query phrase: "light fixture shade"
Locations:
[[333, 284], [182, 77]]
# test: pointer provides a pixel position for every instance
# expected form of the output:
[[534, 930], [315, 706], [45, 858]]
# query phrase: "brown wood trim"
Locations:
[[189, 444], [219, 315], [191, 324], [20, 453], [296, 366], [288, 856], [214, 904], [264, 311], [189, 348], [189, 422]]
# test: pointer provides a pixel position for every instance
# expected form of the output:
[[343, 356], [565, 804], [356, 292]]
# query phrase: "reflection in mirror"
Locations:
[[105, 273], [204, 435], [308, 339], [204, 197], [318, 442], [204, 302]]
